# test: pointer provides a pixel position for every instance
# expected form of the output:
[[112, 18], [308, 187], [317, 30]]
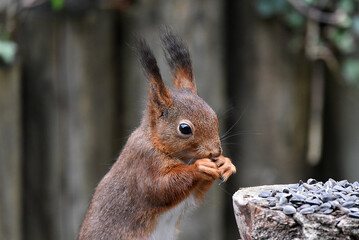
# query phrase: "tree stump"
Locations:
[[256, 220]]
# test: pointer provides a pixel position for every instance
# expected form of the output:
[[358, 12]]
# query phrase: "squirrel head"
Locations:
[[181, 124]]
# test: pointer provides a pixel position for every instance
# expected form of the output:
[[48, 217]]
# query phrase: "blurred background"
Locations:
[[283, 76]]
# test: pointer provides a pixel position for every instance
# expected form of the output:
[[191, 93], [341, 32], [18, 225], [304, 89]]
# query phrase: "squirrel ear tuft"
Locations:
[[179, 60], [159, 95]]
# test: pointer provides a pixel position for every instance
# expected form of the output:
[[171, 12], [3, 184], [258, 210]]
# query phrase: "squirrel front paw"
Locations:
[[208, 169], [225, 166]]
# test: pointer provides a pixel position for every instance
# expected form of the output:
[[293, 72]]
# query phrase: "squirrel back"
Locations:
[[168, 162]]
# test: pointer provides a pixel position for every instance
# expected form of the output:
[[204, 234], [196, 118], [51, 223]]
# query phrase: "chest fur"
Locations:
[[167, 221]]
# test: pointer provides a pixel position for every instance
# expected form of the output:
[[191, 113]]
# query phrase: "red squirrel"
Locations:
[[168, 163]]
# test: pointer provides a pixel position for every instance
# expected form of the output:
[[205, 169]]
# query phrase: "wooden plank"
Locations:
[[200, 24], [10, 153], [269, 90], [70, 117]]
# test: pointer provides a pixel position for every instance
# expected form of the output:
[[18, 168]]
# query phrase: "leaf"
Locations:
[[311, 2], [265, 8], [57, 5], [280, 5], [294, 19], [344, 20], [355, 25], [350, 71], [346, 5], [269, 8], [7, 51], [343, 40]]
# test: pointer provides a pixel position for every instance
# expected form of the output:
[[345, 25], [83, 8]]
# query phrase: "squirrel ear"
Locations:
[[179, 60], [159, 96]]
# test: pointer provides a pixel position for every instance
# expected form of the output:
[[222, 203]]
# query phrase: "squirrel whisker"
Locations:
[[230, 129], [240, 133], [199, 150]]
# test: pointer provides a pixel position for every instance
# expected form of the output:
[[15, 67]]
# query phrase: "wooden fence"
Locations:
[[10, 153], [67, 109]]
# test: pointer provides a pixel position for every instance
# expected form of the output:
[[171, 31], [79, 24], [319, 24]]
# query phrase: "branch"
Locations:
[[336, 18]]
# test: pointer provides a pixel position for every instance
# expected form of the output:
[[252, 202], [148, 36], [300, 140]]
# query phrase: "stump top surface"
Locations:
[[251, 193]]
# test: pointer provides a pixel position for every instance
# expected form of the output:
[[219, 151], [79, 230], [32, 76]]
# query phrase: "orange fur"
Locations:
[[183, 79]]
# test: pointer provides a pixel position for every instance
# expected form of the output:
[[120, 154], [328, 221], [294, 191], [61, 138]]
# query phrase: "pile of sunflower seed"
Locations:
[[316, 197]]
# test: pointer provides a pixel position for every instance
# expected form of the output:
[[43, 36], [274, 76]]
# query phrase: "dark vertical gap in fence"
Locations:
[[328, 166], [234, 41], [37, 98], [340, 153], [120, 130]]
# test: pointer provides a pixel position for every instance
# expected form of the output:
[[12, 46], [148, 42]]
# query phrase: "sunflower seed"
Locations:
[[313, 196], [289, 209], [353, 214], [307, 210], [348, 204], [265, 194], [325, 206], [328, 211], [283, 201], [344, 210], [334, 204], [311, 181], [314, 201]]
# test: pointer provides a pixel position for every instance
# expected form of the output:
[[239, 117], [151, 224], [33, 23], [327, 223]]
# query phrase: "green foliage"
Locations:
[[355, 25], [294, 20], [311, 2], [281, 8], [57, 5], [7, 51], [269, 8], [347, 6], [341, 37], [350, 71]]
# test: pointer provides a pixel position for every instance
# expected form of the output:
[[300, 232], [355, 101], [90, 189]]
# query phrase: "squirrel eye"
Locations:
[[185, 129]]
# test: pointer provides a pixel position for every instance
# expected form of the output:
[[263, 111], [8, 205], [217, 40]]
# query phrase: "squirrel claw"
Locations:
[[218, 161], [223, 180], [226, 168]]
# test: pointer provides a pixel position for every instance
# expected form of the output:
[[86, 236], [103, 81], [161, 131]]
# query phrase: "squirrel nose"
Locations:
[[216, 152]]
